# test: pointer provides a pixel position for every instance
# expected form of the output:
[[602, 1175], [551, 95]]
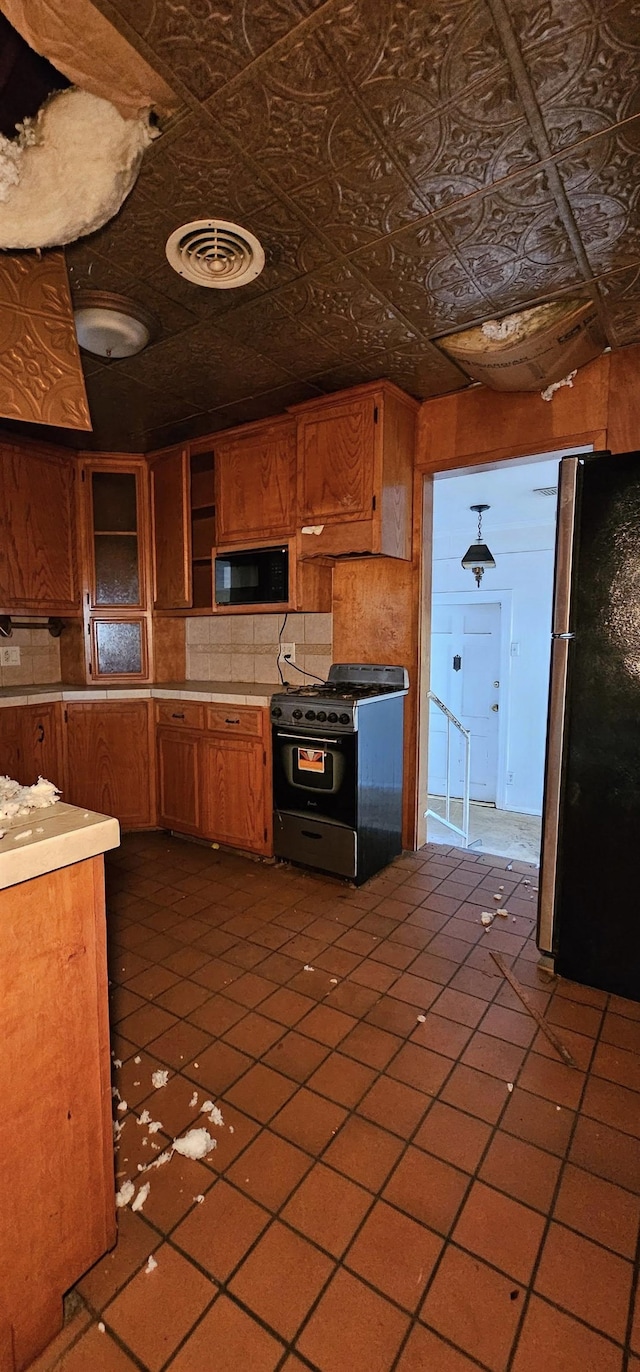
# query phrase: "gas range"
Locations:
[[337, 770], [336, 702]]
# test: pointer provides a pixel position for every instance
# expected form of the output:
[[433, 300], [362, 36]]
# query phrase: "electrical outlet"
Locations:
[[287, 653], [509, 778], [9, 657]]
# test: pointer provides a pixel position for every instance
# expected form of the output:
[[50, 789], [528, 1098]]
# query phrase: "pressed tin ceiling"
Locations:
[[410, 169]]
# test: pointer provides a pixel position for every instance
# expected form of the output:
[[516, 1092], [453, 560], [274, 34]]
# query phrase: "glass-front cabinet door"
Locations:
[[117, 578], [116, 610]]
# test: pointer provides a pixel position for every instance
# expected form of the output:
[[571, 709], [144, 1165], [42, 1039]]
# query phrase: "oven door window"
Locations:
[[314, 767], [315, 776]]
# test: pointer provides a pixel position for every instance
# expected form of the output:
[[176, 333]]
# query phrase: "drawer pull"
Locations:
[[177, 716], [306, 833], [232, 721]]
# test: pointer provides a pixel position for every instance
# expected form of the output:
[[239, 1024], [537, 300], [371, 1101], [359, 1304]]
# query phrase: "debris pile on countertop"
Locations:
[[17, 800]]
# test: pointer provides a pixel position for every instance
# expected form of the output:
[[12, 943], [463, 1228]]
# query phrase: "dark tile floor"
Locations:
[[407, 1176]]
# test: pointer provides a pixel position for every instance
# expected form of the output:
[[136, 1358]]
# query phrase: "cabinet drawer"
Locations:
[[186, 714], [235, 719]]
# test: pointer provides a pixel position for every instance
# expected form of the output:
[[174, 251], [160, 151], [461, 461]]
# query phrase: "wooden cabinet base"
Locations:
[[56, 1149]]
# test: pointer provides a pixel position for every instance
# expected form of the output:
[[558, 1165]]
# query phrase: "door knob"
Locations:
[[495, 709]]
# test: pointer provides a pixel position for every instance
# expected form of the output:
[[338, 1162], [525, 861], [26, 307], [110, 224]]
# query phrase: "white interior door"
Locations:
[[465, 666]]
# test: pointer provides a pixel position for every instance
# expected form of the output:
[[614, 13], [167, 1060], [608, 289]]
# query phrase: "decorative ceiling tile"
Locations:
[[513, 252], [417, 271], [203, 301], [291, 248], [602, 181], [35, 283], [346, 312], [207, 42], [360, 203], [421, 371], [41, 378], [535, 22], [270, 403], [381, 152], [286, 340], [194, 173], [593, 66], [294, 118], [469, 146], [205, 368], [134, 241], [433, 52]]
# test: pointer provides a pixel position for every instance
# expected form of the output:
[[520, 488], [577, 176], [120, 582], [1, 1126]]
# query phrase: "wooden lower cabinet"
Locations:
[[10, 750], [233, 792], [179, 780], [31, 744], [110, 760], [41, 742], [214, 774], [56, 1145]]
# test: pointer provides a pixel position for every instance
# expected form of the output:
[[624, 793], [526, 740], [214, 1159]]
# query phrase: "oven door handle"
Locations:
[[309, 738]]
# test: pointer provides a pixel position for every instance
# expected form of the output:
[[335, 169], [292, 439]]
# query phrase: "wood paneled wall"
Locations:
[[479, 425]]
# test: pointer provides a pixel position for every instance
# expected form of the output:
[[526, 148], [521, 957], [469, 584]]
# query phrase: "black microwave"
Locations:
[[257, 576]]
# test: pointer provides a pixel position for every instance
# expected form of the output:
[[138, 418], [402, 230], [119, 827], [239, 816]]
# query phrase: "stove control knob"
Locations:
[[332, 718], [321, 716], [344, 719], [276, 711], [311, 714], [297, 714]]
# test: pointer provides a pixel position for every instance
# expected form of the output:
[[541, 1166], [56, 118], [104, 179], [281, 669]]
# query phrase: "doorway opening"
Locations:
[[490, 643]]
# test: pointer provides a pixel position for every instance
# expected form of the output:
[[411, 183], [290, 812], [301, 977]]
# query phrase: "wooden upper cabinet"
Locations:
[[336, 461], [37, 532], [170, 505], [255, 475], [355, 459], [115, 533]]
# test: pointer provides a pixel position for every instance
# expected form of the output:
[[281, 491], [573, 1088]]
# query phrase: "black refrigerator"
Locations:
[[589, 912]]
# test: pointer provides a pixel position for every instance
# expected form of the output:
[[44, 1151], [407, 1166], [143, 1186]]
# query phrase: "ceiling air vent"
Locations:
[[212, 252], [545, 490]]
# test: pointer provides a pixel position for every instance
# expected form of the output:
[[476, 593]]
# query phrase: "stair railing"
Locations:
[[466, 795]]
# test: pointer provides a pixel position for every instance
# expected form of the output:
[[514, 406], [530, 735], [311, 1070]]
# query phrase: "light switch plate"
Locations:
[[9, 657]]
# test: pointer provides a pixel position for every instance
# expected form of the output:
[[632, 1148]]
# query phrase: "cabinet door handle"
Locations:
[[306, 833], [232, 721], [40, 738], [177, 716]]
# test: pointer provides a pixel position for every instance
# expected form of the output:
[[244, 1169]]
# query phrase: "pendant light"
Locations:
[[478, 556]]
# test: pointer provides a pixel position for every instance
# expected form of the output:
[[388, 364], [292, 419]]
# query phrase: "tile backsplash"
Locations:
[[39, 658], [245, 647]]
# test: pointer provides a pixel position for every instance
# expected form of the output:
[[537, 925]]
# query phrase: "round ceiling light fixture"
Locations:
[[215, 253], [110, 325]]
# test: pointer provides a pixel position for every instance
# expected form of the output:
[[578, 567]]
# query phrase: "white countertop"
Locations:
[[56, 837], [212, 692]]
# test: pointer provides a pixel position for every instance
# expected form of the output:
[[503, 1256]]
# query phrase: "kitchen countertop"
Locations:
[[213, 692], [56, 837]]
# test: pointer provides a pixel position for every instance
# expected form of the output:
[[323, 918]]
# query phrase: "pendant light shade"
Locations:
[[478, 557]]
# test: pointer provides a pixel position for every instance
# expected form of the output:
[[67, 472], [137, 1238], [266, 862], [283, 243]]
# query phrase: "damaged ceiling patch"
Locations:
[[68, 171]]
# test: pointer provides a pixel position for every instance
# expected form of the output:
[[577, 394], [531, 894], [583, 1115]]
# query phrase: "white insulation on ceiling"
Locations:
[[68, 171]]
